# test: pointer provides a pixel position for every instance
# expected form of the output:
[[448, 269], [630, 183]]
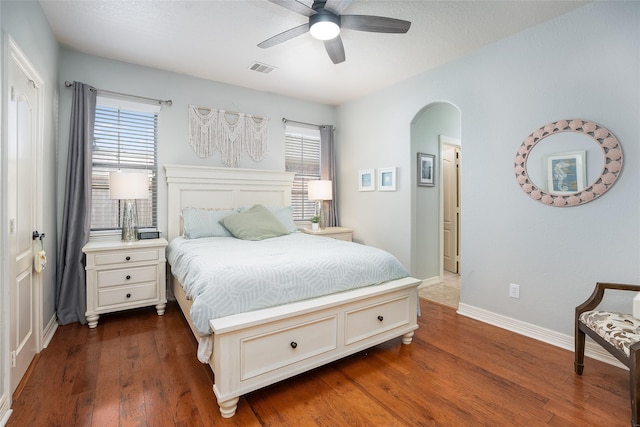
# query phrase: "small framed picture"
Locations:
[[566, 172], [387, 179], [366, 180], [426, 169]]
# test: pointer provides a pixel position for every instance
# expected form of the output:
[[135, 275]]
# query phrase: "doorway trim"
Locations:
[[444, 140]]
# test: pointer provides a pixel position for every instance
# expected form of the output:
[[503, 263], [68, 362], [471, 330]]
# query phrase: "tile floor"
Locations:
[[446, 293]]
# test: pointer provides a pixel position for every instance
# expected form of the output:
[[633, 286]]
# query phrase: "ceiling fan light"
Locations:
[[324, 25], [324, 30]]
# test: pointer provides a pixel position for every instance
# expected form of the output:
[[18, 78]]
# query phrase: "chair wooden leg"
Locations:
[[579, 351], [634, 385]]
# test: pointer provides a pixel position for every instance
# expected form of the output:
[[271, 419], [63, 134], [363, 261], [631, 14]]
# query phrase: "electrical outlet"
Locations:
[[514, 291]]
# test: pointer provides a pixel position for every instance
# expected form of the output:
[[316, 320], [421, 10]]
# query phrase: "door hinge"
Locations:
[[13, 359], [13, 94]]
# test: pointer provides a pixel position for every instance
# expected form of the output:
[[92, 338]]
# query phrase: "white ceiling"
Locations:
[[217, 40]]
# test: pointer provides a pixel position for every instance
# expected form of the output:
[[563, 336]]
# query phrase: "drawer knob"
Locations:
[[128, 277], [294, 344], [380, 318], [128, 295], [128, 258]]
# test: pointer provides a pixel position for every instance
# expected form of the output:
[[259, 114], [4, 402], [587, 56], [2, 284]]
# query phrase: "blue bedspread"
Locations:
[[225, 275]]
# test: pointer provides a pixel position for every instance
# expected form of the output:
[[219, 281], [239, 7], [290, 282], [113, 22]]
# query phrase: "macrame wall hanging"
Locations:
[[231, 133]]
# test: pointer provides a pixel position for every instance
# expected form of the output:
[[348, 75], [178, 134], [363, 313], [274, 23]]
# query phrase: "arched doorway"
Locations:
[[435, 124]]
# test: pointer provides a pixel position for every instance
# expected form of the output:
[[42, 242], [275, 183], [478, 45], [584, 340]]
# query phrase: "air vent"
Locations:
[[261, 68]]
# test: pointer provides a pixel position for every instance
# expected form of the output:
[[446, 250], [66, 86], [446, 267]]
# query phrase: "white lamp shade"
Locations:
[[128, 185], [320, 190]]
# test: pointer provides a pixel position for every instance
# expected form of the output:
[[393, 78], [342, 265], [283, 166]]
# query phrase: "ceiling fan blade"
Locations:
[[335, 49], [295, 6], [337, 6], [284, 36], [375, 24]]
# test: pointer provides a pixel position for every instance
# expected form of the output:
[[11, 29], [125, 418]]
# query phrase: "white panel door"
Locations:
[[22, 169], [451, 207]]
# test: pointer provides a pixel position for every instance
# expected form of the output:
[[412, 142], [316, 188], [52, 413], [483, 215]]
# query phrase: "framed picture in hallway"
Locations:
[[426, 169]]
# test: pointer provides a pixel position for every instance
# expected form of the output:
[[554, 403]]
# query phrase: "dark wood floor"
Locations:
[[139, 369]]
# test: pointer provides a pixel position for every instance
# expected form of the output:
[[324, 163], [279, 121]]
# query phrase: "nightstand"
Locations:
[[122, 275], [339, 233]]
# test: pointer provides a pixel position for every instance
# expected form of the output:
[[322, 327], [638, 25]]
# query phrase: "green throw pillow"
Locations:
[[256, 223]]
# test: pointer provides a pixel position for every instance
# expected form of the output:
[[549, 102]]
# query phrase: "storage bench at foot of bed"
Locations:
[[253, 350]]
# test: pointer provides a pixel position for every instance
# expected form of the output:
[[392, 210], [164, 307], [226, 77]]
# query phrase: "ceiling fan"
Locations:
[[326, 21]]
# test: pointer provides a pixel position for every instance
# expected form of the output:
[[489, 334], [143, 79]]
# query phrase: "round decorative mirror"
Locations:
[[562, 170]]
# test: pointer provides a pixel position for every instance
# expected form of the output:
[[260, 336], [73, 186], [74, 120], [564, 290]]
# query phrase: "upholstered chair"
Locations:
[[618, 333]]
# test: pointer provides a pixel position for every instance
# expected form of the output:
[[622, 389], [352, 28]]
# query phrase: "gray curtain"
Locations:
[[71, 300], [328, 171]]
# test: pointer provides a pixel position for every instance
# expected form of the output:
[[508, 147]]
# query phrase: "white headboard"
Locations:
[[220, 188]]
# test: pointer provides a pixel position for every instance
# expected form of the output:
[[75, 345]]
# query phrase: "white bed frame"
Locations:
[[253, 350]]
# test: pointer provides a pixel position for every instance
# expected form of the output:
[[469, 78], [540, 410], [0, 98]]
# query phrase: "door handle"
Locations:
[[35, 235]]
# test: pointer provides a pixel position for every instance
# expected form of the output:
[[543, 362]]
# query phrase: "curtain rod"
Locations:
[[169, 102], [285, 121]]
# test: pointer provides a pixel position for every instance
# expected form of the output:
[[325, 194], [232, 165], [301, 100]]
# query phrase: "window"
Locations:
[[125, 137], [302, 156]]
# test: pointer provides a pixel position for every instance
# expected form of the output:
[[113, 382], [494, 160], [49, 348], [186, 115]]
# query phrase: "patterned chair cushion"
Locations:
[[619, 329]]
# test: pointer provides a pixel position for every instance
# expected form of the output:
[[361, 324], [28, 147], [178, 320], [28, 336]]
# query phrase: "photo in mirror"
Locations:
[[599, 168], [566, 172]]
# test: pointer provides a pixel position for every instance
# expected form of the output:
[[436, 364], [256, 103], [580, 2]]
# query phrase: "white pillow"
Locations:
[[205, 222]]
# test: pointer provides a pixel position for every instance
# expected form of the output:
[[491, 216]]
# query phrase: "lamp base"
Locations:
[[320, 212], [129, 221]]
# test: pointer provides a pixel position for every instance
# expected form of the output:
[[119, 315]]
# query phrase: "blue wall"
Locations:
[[584, 64]]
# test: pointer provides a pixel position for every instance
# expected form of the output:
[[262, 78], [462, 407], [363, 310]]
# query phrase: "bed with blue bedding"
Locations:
[[225, 275], [265, 301]]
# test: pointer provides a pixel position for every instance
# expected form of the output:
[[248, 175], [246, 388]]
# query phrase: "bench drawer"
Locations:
[[275, 349], [364, 322]]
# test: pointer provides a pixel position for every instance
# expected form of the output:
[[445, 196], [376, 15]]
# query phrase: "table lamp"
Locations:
[[129, 186], [319, 191]]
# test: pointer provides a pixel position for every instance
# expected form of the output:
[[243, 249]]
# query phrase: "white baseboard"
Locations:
[[548, 336], [5, 419], [5, 410], [430, 281], [49, 331]]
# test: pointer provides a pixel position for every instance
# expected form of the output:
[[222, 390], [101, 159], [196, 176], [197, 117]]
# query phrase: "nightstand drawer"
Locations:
[[125, 294], [341, 236], [338, 233], [127, 276], [374, 319], [126, 257]]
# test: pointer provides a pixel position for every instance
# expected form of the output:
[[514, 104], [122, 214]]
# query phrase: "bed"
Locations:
[[249, 350]]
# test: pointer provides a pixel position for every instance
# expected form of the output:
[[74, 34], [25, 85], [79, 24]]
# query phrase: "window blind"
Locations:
[[124, 139], [302, 156]]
